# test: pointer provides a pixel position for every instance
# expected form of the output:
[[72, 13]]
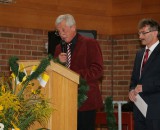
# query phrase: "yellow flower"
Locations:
[[16, 129], [33, 91], [9, 100], [3, 88], [24, 78], [1, 107]]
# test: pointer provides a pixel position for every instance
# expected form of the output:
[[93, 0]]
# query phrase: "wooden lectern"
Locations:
[[62, 89]]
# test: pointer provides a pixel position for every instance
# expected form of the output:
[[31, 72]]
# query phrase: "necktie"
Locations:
[[145, 58], [68, 55]]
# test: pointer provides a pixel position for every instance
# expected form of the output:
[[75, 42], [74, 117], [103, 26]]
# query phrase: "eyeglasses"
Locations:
[[143, 33], [61, 31], [58, 33]]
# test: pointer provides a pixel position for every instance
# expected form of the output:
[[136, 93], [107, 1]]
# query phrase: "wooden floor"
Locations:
[[127, 120]]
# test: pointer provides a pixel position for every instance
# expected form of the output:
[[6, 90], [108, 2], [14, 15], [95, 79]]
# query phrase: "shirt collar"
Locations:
[[153, 46], [74, 40]]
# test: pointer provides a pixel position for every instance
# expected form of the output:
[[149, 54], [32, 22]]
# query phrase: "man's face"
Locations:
[[147, 36], [67, 33]]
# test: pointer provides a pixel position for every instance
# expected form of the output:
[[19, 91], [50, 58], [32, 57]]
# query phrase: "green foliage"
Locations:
[[111, 121], [40, 69], [20, 107], [14, 65], [82, 91], [21, 76]]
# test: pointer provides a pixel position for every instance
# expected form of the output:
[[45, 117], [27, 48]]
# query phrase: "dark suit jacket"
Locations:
[[87, 61], [150, 80]]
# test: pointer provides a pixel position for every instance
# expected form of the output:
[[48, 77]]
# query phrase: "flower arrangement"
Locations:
[[22, 101]]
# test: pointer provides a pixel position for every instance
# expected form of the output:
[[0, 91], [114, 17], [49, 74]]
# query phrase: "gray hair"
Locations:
[[67, 17]]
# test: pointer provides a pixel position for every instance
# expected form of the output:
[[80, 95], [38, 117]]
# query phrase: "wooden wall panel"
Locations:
[[101, 24], [128, 24], [127, 27], [125, 7], [150, 6], [45, 5], [27, 18], [106, 16]]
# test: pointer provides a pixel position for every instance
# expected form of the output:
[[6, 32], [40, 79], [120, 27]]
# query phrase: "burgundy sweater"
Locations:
[[87, 61]]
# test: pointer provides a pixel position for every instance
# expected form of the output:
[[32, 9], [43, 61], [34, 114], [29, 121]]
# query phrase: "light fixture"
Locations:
[[7, 1]]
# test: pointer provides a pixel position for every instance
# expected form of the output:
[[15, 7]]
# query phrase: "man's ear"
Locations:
[[73, 28], [156, 33]]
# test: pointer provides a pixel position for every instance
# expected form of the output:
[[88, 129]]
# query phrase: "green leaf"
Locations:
[[111, 121]]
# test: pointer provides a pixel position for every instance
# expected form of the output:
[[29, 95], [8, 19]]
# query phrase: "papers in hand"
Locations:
[[141, 104]]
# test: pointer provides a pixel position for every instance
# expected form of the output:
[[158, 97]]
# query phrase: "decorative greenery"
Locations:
[[111, 121], [82, 91], [22, 104]]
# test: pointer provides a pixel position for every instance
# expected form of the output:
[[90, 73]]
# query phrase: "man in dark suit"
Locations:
[[86, 60], [145, 79]]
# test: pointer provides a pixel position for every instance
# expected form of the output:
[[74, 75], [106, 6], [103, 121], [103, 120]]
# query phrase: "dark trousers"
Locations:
[[147, 125], [86, 120]]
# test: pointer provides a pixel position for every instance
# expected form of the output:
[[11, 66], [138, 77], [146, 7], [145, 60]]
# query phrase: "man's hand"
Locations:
[[63, 57], [132, 95], [134, 92], [138, 88]]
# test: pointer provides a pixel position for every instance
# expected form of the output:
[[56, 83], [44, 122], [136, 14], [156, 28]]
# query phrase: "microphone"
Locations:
[[63, 46]]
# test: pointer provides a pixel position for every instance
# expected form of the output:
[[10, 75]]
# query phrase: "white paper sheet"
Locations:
[[141, 104]]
